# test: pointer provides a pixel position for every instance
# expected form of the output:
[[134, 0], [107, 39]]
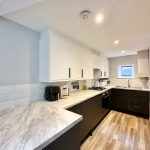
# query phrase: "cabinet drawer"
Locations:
[[139, 106], [139, 94]]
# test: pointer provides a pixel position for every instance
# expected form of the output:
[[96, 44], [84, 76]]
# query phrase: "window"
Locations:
[[126, 71]]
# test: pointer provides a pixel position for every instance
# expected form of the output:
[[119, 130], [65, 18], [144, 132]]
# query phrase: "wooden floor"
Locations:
[[120, 131]]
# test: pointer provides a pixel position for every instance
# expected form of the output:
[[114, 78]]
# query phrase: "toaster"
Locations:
[[64, 91]]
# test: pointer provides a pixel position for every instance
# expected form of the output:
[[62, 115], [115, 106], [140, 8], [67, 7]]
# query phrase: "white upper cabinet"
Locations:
[[95, 61], [54, 57], [104, 67], [86, 64], [75, 61], [59, 59], [63, 59], [143, 60]]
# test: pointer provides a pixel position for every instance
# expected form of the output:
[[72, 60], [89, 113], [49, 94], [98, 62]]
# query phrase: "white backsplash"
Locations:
[[143, 83], [89, 83], [15, 95]]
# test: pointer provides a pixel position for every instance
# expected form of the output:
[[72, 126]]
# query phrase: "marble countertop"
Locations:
[[34, 126], [80, 96], [77, 97], [131, 88]]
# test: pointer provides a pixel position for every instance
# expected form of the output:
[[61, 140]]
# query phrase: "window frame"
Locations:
[[125, 77]]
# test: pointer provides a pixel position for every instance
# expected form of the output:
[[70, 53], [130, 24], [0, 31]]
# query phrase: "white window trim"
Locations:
[[123, 77]]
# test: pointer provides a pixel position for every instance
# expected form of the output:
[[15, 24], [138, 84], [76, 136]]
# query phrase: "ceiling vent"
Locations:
[[85, 14]]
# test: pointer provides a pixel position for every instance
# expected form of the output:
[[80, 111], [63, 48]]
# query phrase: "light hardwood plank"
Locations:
[[120, 131]]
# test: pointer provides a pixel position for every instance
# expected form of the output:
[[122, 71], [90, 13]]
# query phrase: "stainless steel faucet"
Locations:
[[129, 83]]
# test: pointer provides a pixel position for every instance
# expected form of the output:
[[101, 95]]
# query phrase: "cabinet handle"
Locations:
[[136, 106], [82, 73], [69, 72], [136, 101], [101, 73], [105, 74], [139, 96]]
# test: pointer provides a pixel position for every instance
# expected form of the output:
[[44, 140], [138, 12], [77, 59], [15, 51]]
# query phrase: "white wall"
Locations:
[[125, 60], [19, 52], [19, 66]]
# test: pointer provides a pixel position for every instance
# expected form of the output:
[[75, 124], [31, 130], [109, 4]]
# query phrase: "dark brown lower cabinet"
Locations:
[[96, 110], [85, 125], [139, 102], [131, 101], [91, 110], [68, 141], [119, 99]]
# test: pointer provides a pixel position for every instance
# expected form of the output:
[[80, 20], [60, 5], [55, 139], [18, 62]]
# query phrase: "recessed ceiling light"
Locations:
[[116, 42], [99, 18], [123, 52]]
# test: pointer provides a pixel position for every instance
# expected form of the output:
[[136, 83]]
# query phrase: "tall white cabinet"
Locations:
[[143, 60], [63, 59]]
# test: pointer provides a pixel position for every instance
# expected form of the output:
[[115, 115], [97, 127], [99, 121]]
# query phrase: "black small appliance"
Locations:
[[52, 93]]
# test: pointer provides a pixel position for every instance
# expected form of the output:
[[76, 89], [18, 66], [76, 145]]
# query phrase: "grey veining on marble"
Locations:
[[34, 126]]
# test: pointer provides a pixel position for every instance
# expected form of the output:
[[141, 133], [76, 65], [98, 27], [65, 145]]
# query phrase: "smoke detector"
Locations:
[[85, 14]]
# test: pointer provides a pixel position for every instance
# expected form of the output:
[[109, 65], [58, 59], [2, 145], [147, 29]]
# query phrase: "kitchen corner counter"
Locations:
[[34, 126], [37, 125]]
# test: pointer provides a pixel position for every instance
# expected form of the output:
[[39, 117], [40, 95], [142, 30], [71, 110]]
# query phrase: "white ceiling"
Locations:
[[125, 20], [7, 6]]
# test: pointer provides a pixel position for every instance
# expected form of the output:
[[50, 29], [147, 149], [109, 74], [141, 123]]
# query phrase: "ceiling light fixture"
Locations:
[[124, 52], [99, 18], [116, 42]]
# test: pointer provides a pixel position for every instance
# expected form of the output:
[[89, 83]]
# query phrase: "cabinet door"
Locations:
[[95, 61], [59, 57], [86, 62], [119, 99], [85, 125], [143, 63], [104, 66], [68, 141], [96, 110], [75, 61], [91, 110], [139, 102]]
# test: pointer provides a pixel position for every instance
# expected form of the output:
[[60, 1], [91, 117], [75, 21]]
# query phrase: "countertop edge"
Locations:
[[136, 89], [59, 134], [76, 103]]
